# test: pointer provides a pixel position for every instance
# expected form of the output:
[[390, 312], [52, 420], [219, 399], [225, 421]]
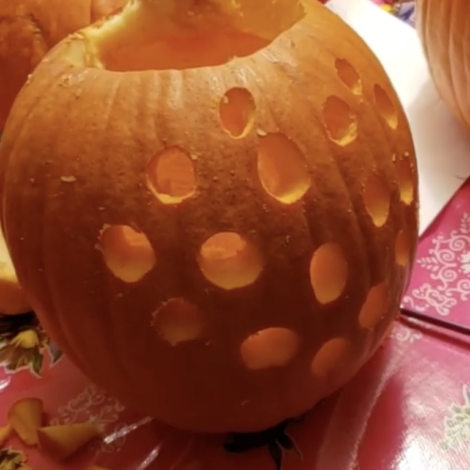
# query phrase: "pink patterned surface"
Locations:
[[408, 409], [441, 279]]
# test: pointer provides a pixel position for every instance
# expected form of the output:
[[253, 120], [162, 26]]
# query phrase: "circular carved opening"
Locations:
[[272, 347], [177, 321], [127, 253], [405, 179], [229, 261], [237, 111], [403, 248], [332, 359], [377, 199], [282, 168], [339, 120], [171, 176], [328, 272], [374, 307], [349, 76], [386, 107]]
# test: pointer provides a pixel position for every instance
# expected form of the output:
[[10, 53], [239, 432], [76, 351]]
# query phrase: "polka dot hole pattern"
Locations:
[[283, 174]]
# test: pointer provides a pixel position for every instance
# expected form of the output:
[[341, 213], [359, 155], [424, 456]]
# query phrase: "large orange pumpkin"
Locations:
[[213, 206], [29, 28], [444, 29]]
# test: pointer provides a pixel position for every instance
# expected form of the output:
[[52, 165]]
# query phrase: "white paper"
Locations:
[[442, 145]]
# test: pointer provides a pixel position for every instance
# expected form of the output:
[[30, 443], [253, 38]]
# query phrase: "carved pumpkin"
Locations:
[[29, 28], [213, 207], [443, 28]]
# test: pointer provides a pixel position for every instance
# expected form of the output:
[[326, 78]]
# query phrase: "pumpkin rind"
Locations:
[[443, 28], [29, 28], [177, 341]]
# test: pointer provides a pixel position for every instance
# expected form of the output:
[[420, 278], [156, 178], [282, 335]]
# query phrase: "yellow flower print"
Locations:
[[13, 460], [23, 343]]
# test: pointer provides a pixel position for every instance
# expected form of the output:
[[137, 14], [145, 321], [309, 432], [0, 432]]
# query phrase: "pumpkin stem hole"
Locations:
[[340, 121], [184, 34], [229, 261], [282, 168], [328, 272], [127, 253], [171, 175], [177, 321], [272, 347]]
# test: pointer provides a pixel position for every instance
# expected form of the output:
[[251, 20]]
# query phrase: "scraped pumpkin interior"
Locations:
[[151, 35]]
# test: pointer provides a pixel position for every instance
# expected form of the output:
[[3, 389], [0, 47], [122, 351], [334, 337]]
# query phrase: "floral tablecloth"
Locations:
[[403, 9], [408, 409]]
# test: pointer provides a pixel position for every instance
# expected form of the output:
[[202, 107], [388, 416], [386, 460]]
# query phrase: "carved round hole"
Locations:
[[386, 107], [377, 199], [339, 120], [403, 248], [229, 261], [127, 253], [405, 179], [282, 168], [272, 347], [349, 76], [328, 272], [374, 307], [332, 359], [177, 321], [171, 176], [237, 112]]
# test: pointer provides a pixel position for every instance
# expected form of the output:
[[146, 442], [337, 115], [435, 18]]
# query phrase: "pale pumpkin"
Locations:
[[212, 206], [29, 28], [444, 30]]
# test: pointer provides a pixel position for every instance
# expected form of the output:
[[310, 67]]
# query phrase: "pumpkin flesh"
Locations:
[[220, 238]]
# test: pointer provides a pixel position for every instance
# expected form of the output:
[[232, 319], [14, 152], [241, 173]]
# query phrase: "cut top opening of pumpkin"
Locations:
[[186, 34]]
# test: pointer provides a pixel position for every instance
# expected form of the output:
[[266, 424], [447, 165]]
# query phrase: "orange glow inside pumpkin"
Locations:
[[127, 253], [229, 261], [171, 176], [150, 35]]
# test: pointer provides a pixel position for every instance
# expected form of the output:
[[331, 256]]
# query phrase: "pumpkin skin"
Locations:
[[29, 28], [443, 28], [307, 156]]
